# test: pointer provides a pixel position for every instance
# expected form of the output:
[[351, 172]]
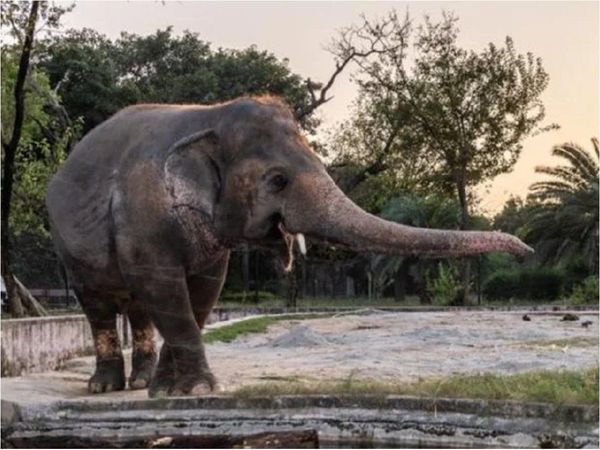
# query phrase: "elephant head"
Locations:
[[271, 189]]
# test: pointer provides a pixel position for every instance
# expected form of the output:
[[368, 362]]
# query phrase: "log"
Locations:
[[29, 302]]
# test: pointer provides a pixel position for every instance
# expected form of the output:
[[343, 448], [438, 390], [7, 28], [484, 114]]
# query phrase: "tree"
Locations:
[[465, 113], [564, 222], [23, 18], [82, 66], [97, 76], [10, 147]]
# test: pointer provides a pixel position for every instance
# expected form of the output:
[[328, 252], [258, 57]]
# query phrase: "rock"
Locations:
[[569, 317]]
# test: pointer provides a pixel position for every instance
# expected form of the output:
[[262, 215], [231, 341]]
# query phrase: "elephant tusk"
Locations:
[[301, 243]]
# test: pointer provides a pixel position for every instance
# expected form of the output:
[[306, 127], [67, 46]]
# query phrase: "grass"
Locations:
[[229, 333], [558, 387], [577, 341]]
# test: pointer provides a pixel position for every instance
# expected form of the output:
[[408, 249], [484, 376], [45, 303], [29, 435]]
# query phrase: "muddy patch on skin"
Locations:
[[143, 340], [107, 344]]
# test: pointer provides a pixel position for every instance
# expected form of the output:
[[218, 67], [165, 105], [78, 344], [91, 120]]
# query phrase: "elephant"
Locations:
[[149, 204]]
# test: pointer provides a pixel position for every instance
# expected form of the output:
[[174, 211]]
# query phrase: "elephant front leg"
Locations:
[[182, 368]]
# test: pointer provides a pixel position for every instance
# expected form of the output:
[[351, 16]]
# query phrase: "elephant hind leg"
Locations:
[[101, 311], [143, 354]]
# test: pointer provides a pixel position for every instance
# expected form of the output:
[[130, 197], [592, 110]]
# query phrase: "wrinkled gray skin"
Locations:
[[147, 206]]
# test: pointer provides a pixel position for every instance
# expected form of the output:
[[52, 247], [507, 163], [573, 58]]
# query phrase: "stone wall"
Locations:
[[43, 343], [39, 344]]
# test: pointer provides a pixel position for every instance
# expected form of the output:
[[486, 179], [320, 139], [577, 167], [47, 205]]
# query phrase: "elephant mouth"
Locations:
[[283, 242], [287, 252]]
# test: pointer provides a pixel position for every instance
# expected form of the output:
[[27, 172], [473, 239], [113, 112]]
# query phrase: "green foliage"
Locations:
[[83, 65], [42, 148], [538, 283], [575, 270], [35, 116], [541, 283], [497, 261], [564, 222], [502, 285], [429, 211], [586, 293], [514, 216], [444, 286], [14, 16], [99, 76]]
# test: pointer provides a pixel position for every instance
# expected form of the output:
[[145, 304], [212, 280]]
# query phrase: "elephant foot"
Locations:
[[177, 374], [168, 385], [109, 376], [194, 385], [142, 368]]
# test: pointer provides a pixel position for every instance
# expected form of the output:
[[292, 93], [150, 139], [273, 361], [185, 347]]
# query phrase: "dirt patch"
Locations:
[[404, 347], [299, 336]]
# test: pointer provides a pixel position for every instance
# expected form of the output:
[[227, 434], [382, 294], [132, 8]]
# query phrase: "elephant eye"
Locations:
[[278, 182]]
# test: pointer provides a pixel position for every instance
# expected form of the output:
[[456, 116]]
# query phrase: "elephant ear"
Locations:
[[192, 174]]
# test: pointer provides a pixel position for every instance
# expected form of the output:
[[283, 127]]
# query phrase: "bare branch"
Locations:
[[356, 44]]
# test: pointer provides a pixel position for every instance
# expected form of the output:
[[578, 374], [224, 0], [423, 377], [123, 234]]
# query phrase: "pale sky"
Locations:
[[563, 34]]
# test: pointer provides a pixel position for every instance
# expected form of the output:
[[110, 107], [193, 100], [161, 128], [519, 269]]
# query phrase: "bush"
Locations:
[[502, 285], [445, 287], [586, 292], [541, 283], [576, 271], [537, 283]]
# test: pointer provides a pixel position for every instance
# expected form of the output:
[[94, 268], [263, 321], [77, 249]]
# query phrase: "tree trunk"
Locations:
[[400, 281], [292, 287], [465, 266], [28, 301], [302, 292], [246, 269], [16, 293], [256, 275], [421, 283], [15, 303]]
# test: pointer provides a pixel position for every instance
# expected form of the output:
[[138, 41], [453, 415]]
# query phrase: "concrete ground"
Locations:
[[388, 346]]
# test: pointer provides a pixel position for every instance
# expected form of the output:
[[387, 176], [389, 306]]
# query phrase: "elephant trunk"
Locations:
[[321, 210]]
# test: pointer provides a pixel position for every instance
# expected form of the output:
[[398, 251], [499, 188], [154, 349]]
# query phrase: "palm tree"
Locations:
[[564, 221]]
